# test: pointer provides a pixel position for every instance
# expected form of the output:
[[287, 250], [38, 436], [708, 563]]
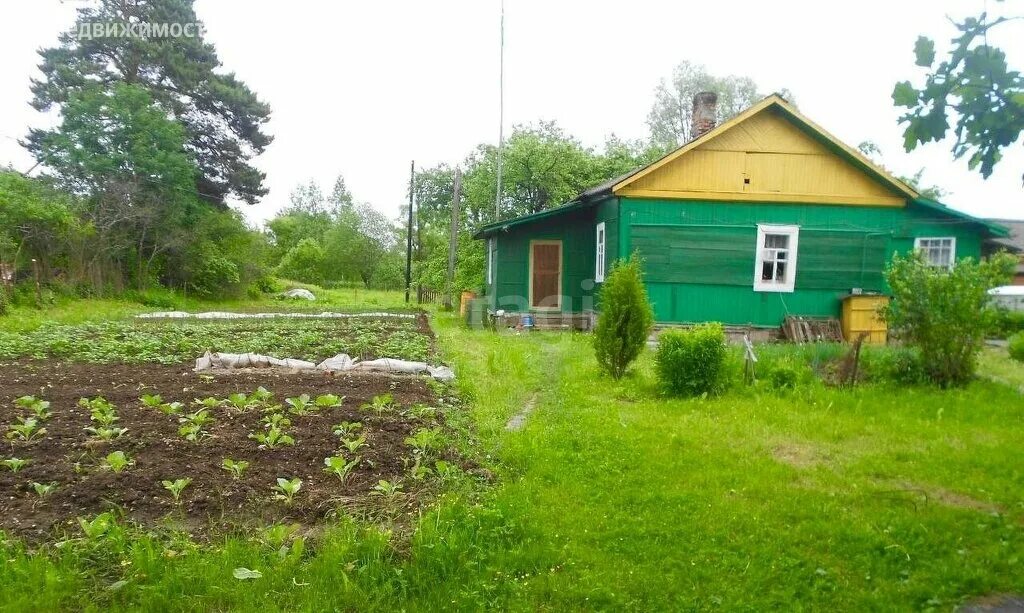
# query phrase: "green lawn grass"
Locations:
[[995, 363], [613, 497]]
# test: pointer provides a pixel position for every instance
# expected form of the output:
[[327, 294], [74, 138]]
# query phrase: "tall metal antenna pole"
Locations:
[[501, 113], [408, 235]]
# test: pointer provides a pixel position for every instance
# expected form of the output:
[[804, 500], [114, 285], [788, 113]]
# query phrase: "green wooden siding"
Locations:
[[699, 256], [576, 230]]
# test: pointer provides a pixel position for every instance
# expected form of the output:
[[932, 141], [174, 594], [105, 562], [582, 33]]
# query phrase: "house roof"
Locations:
[[1014, 237], [776, 102]]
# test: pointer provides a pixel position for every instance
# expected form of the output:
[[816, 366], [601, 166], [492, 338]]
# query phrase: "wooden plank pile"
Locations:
[[812, 329]]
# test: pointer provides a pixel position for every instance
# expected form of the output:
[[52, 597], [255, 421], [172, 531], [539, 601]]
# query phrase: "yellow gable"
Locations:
[[764, 156]]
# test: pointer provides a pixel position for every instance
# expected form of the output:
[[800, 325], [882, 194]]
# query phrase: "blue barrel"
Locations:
[[527, 321]]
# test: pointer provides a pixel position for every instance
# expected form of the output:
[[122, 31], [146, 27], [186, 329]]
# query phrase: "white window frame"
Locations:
[[952, 249], [601, 239], [789, 284], [492, 248]]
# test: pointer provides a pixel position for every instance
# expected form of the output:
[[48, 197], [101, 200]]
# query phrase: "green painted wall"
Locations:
[[576, 230], [699, 256]]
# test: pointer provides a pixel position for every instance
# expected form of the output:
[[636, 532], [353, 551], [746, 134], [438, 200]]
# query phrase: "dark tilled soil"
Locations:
[[66, 455]]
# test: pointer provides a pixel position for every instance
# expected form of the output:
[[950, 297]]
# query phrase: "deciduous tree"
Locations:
[[669, 119], [974, 88]]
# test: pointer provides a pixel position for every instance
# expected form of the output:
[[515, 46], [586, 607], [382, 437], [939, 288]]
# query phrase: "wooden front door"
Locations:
[[546, 274]]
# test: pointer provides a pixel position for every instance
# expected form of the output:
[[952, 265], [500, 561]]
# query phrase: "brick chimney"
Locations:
[[705, 105]]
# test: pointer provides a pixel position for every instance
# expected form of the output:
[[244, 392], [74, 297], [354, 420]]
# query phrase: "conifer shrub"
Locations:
[[1016, 346], [691, 362], [626, 318]]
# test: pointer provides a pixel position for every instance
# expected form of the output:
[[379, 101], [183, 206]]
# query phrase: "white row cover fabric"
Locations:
[[228, 315], [299, 293], [339, 363]]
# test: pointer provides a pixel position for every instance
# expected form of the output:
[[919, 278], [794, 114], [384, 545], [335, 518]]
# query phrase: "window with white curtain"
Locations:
[[775, 263], [938, 251], [599, 255]]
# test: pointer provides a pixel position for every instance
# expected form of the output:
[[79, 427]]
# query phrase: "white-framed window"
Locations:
[[599, 255], [492, 252], [938, 251], [775, 264]]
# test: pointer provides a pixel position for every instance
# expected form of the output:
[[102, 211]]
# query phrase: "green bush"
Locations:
[[945, 314], [1016, 346], [783, 376], [895, 364], [690, 362], [1006, 323], [304, 262], [155, 297], [626, 318]]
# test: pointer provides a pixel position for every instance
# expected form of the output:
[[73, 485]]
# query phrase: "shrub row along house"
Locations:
[[763, 216]]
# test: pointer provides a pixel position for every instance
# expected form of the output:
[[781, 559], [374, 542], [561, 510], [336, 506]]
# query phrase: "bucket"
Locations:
[[464, 302], [527, 321]]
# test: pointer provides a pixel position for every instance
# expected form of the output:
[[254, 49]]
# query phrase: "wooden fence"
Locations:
[[428, 295]]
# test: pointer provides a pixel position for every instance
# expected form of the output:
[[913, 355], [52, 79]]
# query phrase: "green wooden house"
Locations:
[[763, 216]]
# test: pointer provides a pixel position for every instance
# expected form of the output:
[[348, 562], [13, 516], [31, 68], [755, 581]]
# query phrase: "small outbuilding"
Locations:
[[763, 216]]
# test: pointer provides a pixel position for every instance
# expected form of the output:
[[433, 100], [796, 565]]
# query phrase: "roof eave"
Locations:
[[993, 229], [499, 226]]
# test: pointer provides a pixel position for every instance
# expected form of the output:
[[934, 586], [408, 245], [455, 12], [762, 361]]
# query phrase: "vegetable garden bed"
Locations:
[[179, 342], [207, 453]]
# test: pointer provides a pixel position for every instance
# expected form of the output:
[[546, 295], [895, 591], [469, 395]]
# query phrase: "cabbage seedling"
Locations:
[[209, 403], [422, 411], [41, 408], [151, 401], [171, 408], [239, 401], [346, 428], [25, 402], [100, 411], [176, 487], [14, 464], [286, 489], [425, 440], [117, 461], [353, 444], [329, 401], [44, 490], [27, 430], [193, 433], [380, 404], [272, 438], [419, 471], [95, 528], [388, 489], [261, 395], [199, 418], [236, 468], [106, 433], [338, 466], [276, 420], [299, 405]]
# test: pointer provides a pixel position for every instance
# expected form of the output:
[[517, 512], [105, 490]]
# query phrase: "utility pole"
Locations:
[[408, 234], [501, 113], [453, 241]]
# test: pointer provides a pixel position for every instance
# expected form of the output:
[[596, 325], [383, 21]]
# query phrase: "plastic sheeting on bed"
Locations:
[[339, 363]]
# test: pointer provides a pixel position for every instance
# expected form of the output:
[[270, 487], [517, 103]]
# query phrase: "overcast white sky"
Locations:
[[362, 88]]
